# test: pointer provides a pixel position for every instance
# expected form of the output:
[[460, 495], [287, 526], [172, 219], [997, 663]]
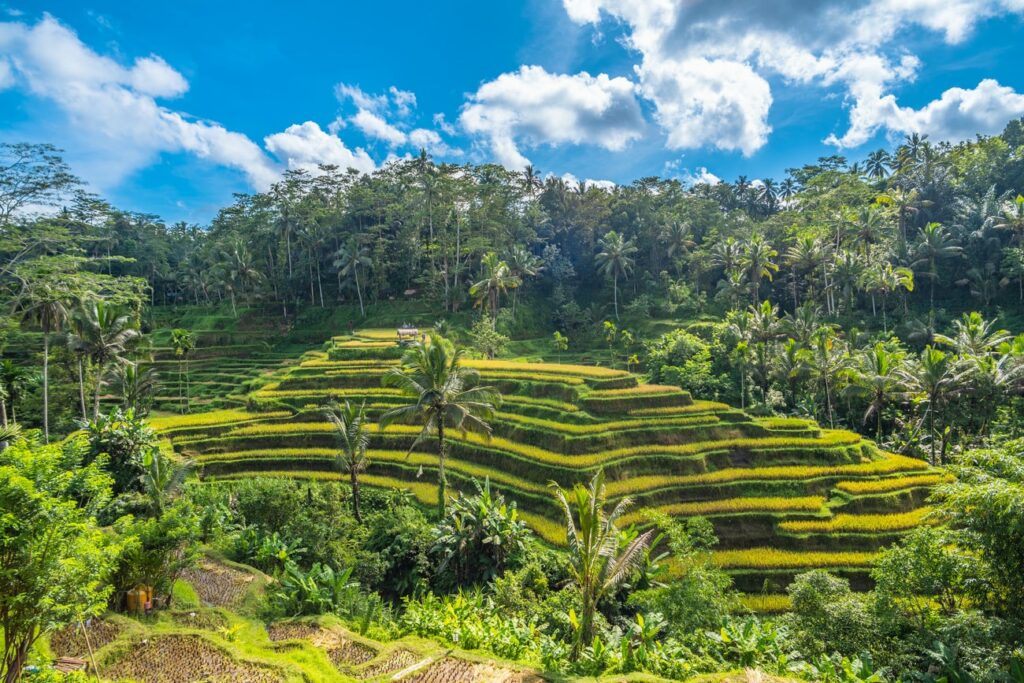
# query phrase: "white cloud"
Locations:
[[306, 146], [957, 115], [532, 107], [361, 99], [112, 108], [374, 126], [688, 47], [404, 100], [152, 76], [606, 185]]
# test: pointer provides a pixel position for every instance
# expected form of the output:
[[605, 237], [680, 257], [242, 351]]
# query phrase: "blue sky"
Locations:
[[172, 107]]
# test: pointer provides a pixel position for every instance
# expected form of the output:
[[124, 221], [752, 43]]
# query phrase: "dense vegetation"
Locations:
[[882, 297]]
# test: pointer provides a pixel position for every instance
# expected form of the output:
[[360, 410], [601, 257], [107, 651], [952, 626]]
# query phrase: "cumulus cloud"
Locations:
[[687, 48], [118, 123], [115, 107], [531, 107], [372, 116], [606, 185], [306, 145]]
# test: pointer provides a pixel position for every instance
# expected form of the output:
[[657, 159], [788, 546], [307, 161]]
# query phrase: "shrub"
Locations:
[[827, 616]]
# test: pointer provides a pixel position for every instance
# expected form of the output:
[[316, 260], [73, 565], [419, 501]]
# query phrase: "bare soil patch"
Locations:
[[70, 640], [184, 659], [218, 585]]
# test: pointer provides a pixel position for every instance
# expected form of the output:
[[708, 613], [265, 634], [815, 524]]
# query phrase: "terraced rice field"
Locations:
[[783, 494]]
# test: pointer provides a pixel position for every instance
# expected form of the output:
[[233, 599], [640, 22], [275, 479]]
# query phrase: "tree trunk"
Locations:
[[442, 479], [81, 387], [359, 293], [96, 393], [46, 385], [615, 294], [355, 496]]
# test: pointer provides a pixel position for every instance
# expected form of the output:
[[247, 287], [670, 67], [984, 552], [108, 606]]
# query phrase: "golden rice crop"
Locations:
[[571, 380], [601, 427], [525, 369], [639, 390], [543, 402], [848, 523], [390, 334], [551, 531], [888, 463], [361, 344], [892, 483], [774, 558], [695, 407], [787, 423], [357, 363], [766, 602], [211, 419], [273, 392], [731, 506]]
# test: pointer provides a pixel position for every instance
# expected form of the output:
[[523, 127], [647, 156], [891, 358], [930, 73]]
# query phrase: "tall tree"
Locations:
[[47, 304], [495, 278], [615, 260], [350, 259], [446, 396], [183, 342]]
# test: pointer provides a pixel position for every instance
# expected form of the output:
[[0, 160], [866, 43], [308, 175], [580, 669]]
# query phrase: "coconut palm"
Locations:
[[975, 336], [887, 279], [876, 379], [1012, 218], [350, 426], [932, 380], [446, 397], [598, 562], [350, 259], [495, 278], [877, 164], [757, 263], [935, 244], [523, 264], [107, 333], [46, 304], [615, 260]]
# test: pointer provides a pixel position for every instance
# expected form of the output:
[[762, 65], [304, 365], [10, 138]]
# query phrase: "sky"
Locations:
[[170, 108]]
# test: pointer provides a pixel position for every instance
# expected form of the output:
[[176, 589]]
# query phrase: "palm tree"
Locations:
[[757, 263], [184, 342], [876, 379], [933, 379], [353, 439], [14, 378], [162, 477], [1012, 218], [523, 264], [615, 260], [349, 260], [935, 245], [803, 258], [788, 189], [870, 225], [878, 164], [137, 387], [975, 336], [888, 279], [495, 278], [107, 333], [847, 274], [768, 194], [598, 564], [46, 304], [237, 271], [531, 180], [826, 362], [446, 397]]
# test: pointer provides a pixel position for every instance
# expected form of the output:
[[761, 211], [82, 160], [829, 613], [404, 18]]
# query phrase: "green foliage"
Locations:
[[828, 617], [123, 440], [54, 559], [479, 536]]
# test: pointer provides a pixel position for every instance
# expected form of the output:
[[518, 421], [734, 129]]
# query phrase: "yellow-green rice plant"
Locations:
[[767, 603], [860, 488], [847, 523], [544, 402], [214, 418], [602, 427], [887, 464], [725, 506], [695, 407], [774, 558], [638, 390], [571, 380], [526, 369]]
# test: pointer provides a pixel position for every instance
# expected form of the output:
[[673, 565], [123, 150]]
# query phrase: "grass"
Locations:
[[767, 603]]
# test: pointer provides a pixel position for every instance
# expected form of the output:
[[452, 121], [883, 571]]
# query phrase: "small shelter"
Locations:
[[407, 335]]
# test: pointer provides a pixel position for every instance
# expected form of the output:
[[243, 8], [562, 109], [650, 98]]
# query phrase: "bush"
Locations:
[[827, 616]]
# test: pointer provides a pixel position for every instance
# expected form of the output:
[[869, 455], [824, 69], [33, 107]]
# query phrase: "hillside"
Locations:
[[783, 494]]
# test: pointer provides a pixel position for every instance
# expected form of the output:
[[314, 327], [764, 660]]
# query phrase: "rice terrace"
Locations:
[[561, 340]]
